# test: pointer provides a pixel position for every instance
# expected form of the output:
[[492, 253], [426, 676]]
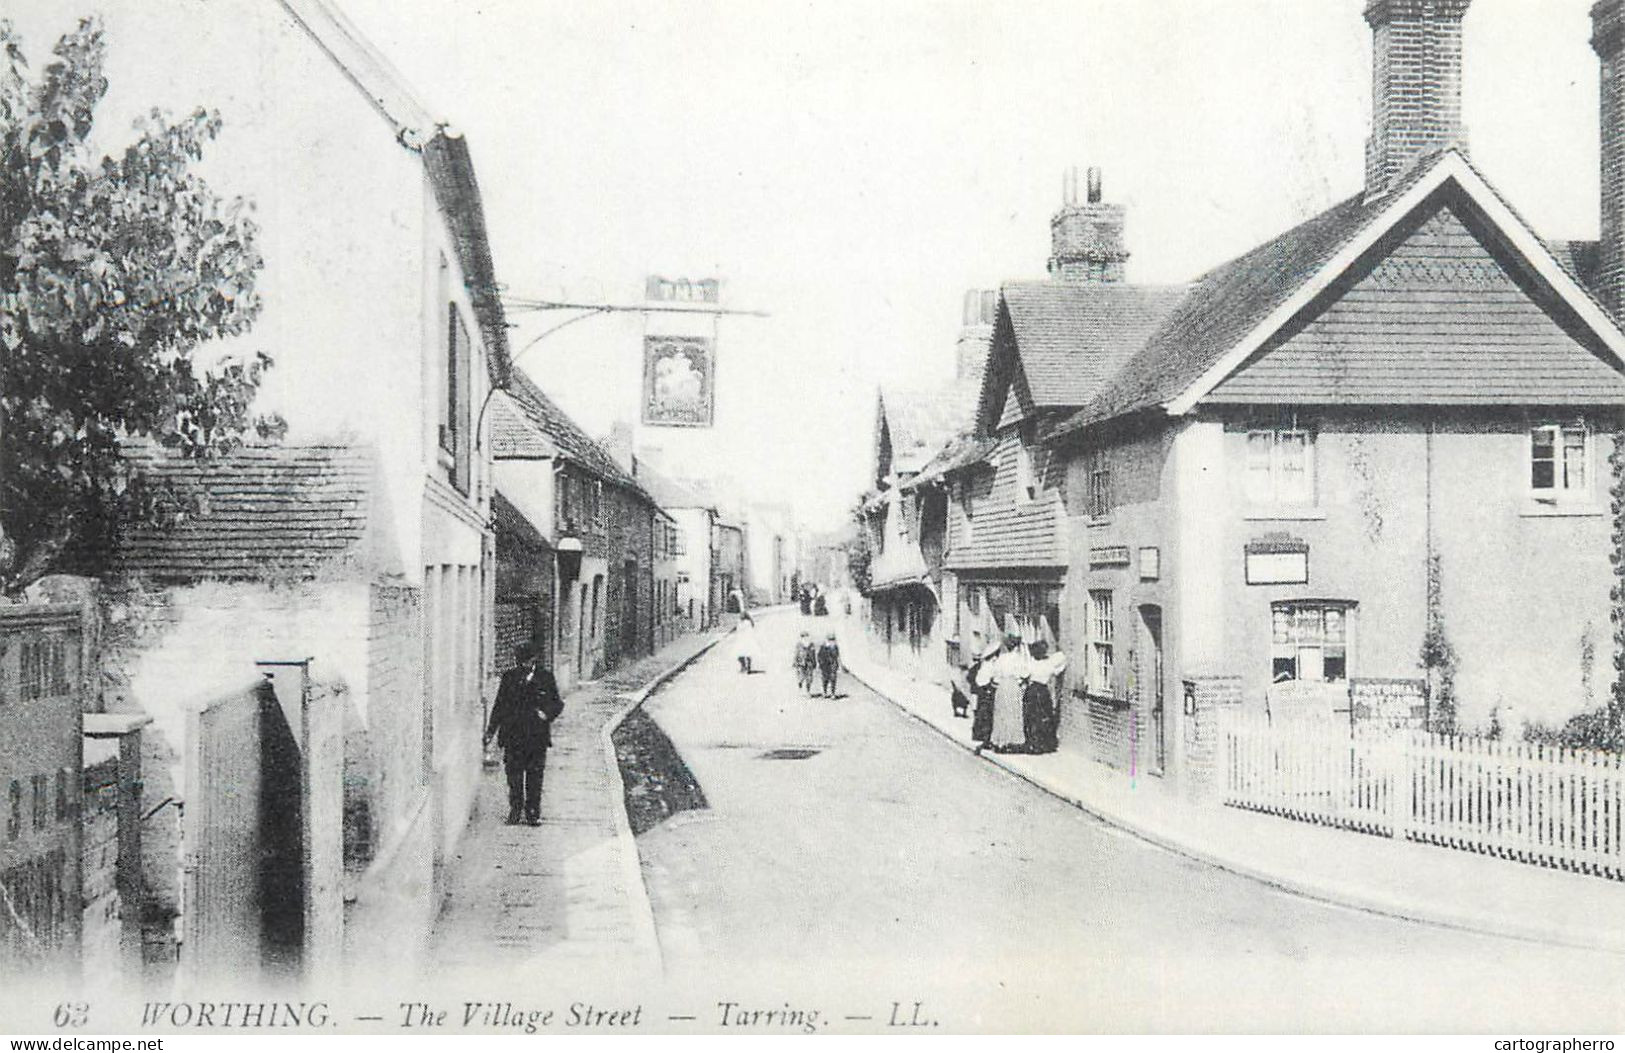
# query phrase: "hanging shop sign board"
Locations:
[[679, 381], [1150, 564]]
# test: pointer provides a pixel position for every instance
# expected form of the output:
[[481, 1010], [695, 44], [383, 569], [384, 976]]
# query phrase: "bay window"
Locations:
[[1309, 642]]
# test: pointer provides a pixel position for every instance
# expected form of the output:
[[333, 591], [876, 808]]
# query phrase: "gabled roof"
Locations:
[[258, 512], [572, 443], [1234, 309], [1068, 338]]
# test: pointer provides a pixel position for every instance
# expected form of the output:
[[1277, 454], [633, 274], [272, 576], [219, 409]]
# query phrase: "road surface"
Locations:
[[849, 848]]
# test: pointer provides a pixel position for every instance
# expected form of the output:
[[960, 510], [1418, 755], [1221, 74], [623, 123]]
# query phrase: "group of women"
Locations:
[[1012, 686]]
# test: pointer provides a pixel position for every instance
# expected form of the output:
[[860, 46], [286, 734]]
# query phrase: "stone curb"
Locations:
[[1305, 886], [648, 936]]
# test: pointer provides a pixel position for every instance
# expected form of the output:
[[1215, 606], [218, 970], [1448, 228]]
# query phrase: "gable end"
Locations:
[[1441, 311]]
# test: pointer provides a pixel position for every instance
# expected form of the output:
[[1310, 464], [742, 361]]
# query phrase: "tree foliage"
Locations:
[[860, 553], [113, 272]]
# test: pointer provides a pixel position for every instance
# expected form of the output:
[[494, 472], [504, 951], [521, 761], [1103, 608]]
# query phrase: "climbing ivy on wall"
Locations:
[[1438, 657], [1615, 720]]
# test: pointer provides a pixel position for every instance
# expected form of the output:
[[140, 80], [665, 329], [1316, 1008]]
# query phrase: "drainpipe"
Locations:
[[1430, 611]]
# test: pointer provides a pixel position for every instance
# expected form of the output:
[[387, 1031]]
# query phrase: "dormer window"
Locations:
[[1560, 462]]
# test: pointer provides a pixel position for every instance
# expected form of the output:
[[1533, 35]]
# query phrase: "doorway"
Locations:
[[1153, 688]]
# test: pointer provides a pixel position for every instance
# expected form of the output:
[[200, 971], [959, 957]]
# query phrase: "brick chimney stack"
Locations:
[[1608, 39], [1415, 87], [1086, 238]]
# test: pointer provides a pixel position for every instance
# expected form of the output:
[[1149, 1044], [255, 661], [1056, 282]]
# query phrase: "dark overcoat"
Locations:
[[524, 698]]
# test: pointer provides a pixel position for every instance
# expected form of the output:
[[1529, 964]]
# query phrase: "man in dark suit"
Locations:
[[527, 704]]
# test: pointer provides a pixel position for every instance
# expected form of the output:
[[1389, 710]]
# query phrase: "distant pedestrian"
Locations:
[[805, 661], [829, 664], [1039, 714], [981, 725], [805, 596], [745, 642], [1007, 674], [521, 720], [820, 606]]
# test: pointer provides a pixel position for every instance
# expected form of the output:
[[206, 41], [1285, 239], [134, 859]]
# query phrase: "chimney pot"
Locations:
[[1086, 239]]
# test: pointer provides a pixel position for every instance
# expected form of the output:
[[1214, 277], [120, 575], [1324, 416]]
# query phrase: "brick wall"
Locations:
[[1416, 89], [1112, 733], [383, 756], [1608, 38]]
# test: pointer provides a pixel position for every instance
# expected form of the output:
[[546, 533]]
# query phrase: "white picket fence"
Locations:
[[1557, 808]]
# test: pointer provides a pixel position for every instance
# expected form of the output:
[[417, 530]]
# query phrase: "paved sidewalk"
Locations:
[[566, 899], [1398, 878]]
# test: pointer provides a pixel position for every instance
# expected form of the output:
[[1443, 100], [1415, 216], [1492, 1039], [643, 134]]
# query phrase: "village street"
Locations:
[[888, 858]]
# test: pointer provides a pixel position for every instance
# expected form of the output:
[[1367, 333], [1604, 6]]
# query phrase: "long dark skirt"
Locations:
[[1038, 718], [981, 725]]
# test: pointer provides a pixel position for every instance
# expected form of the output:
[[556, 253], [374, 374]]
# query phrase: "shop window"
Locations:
[[1281, 466], [1309, 642], [1560, 461], [1102, 633]]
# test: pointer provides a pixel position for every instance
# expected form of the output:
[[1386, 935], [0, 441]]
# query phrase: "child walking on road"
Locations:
[[805, 661], [829, 664]]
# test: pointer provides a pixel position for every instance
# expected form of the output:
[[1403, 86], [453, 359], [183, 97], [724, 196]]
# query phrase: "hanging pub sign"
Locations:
[[679, 374]]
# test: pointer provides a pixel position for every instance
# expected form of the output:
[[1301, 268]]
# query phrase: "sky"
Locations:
[[851, 168]]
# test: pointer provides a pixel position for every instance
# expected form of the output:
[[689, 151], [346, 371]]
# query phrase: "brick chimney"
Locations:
[[1415, 86], [1608, 39], [1086, 238]]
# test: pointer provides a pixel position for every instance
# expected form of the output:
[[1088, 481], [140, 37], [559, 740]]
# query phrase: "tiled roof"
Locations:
[[670, 492], [265, 512], [920, 417], [1581, 259], [1230, 301], [514, 436], [574, 445], [960, 453], [919, 421], [1072, 336], [509, 519]]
